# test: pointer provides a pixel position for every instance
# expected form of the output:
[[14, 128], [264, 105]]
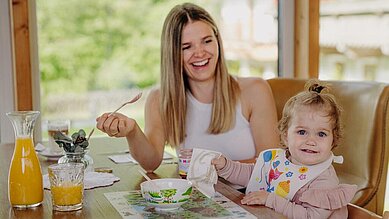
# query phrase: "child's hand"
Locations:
[[219, 162], [255, 198]]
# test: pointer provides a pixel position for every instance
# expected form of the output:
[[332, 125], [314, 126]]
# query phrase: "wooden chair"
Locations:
[[365, 146], [356, 212], [386, 215]]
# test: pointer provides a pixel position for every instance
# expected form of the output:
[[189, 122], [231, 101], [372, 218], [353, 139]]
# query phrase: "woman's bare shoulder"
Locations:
[[154, 95]]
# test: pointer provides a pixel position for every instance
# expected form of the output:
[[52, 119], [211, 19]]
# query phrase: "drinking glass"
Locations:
[[67, 186], [52, 127], [184, 157]]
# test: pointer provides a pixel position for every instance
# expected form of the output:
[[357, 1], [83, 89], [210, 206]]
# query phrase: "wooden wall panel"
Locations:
[[314, 47], [23, 77], [307, 39]]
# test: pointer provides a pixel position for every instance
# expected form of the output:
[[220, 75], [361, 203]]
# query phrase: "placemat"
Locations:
[[130, 205]]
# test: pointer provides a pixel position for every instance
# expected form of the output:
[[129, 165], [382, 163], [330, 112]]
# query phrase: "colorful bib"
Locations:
[[273, 172]]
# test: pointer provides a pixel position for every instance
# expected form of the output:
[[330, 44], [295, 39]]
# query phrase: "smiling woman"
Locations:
[[198, 103]]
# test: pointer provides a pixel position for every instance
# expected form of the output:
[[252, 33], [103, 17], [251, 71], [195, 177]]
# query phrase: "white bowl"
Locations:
[[166, 194]]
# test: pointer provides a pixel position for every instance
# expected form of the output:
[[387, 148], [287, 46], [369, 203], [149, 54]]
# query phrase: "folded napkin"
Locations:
[[39, 147], [127, 158], [91, 180], [201, 172]]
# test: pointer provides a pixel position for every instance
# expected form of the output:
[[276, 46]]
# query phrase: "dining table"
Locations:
[[95, 203]]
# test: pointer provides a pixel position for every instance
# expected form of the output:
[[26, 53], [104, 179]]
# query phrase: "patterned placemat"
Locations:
[[130, 204]]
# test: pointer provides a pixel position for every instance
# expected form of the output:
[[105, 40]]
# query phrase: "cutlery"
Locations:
[[143, 172], [90, 134], [133, 100]]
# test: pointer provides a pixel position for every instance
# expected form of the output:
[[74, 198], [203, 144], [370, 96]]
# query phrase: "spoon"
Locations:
[[143, 172], [133, 100], [144, 175]]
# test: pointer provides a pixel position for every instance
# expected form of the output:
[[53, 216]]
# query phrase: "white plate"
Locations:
[[51, 156]]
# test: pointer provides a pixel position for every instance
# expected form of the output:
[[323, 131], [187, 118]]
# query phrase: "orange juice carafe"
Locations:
[[25, 186]]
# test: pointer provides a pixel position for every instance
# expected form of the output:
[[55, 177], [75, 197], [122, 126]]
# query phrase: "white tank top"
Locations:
[[236, 144]]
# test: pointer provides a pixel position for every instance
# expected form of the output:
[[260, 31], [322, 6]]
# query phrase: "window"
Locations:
[[94, 55], [339, 71], [354, 38], [370, 72]]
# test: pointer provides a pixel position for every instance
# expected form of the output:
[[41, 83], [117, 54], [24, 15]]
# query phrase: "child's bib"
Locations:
[[273, 172]]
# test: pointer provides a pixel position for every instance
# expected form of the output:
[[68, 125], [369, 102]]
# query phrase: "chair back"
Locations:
[[365, 146], [356, 212]]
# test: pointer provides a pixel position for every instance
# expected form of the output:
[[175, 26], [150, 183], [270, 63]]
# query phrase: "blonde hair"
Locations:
[[315, 94], [174, 82]]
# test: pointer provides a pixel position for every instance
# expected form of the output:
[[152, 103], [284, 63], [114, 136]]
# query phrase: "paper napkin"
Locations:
[[127, 158], [39, 147], [201, 172], [91, 180]]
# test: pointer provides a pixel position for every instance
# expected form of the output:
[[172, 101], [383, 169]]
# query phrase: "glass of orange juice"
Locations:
[[67, 186]]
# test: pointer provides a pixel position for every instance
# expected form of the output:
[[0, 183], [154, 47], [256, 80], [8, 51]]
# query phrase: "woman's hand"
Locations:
[[255, 198], [116, 125], [219, 162]]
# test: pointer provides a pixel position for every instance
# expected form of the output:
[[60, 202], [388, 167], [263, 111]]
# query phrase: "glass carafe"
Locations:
[[25, 187]]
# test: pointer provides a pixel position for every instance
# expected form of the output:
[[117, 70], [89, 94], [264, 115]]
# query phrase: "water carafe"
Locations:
[[25, 187]]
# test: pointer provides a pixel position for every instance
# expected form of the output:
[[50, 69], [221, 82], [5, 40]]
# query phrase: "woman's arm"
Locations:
[[150, 154], [258, 106], [148, 147]]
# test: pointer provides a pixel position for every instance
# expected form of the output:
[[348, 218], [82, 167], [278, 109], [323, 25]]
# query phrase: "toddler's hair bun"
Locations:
[[316, 86]]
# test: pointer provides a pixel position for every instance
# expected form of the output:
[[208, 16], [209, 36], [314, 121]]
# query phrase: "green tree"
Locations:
[[99, 44]]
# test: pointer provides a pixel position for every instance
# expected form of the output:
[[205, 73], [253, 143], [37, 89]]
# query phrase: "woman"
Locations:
[[199, 104]]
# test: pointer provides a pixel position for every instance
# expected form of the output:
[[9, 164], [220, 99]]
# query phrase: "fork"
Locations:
[[90, 134], [133, 100]]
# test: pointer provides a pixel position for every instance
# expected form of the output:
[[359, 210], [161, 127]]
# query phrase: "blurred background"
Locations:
[[96, 54]]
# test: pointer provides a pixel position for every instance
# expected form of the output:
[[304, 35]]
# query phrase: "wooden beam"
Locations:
[[307, 39], [23, 76], [314, 47]]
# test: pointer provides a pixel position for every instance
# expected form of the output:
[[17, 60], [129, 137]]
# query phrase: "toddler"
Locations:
[[299, 180]]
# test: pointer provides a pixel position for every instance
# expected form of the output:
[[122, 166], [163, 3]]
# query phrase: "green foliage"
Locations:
[[77, 143], [99, 44]]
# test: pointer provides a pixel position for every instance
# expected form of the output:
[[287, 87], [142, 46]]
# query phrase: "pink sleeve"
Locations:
[[293, 210], [236, 173], [321, 198]]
